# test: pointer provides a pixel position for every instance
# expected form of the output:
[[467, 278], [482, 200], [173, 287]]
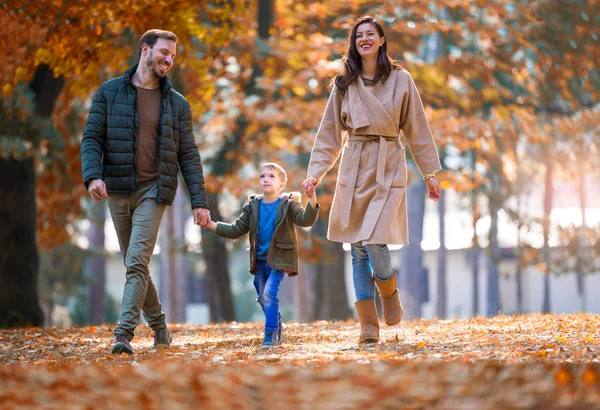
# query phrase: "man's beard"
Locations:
[[154, 67]]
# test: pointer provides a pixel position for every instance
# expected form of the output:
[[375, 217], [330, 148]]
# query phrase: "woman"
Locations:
[[373, 99]]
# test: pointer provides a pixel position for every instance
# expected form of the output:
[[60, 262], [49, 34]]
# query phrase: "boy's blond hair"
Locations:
[[278, 168]]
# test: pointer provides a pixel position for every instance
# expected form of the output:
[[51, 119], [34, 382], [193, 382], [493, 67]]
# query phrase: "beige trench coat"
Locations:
[[369, 204]]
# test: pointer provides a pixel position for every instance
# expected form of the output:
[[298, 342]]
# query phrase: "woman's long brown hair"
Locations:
[[353, 64]]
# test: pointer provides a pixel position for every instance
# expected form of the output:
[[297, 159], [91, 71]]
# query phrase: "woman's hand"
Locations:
[[309, 183], [434, 189]]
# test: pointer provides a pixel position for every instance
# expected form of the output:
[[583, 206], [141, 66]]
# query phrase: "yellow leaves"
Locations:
[[299, 91], [563, 377], [421, 345], [542, 267], [590, 377], [560, 339], [6, 90], [43, 56], [445, 184]]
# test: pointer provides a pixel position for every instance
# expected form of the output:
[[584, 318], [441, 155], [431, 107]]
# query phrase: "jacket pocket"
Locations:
[[400, 176], [345, 163], [285, 252]]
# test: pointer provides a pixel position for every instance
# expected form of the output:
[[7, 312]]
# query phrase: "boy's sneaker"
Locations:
[[279, 332], [271, 339], [122, 345], [162, 338]]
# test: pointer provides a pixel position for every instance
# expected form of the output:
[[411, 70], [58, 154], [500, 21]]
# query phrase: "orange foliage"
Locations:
[[484, 363], [87, 42], [499, 62]]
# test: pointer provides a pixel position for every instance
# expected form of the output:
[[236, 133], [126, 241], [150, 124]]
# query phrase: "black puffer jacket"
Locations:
[[108, 148]]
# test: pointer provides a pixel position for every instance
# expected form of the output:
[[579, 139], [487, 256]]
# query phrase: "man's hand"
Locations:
[[434, 189], [201, 217], [97, 189]]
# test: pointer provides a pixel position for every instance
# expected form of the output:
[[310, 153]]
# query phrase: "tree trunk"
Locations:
[[493, 291], [96, 265], [221, 304], [475, 250], [519, 270], [174, 273], [329, 286], [412, 254], [265, 17], [218, 286], [442, 260], [582, 236], [19, 261], [302, 310], [519, 250], [546, 230]]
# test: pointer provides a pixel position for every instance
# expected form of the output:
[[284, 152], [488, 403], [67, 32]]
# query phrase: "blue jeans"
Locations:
[[266, 283], [369, 260]]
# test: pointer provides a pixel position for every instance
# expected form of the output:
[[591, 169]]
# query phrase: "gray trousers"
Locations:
[[136, 218]]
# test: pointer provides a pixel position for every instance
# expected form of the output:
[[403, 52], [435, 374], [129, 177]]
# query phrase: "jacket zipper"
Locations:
[[163, 103], [136, 121], [277, 227]]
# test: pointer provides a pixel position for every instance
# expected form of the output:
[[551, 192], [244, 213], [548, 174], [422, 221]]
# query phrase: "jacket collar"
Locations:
[[281, 208], [165, 84]]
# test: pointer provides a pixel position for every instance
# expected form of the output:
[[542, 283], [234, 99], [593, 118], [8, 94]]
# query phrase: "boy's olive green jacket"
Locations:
[[283, 250]]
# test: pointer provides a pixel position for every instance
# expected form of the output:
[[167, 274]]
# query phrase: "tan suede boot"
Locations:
[[392, 308], [369, 322]]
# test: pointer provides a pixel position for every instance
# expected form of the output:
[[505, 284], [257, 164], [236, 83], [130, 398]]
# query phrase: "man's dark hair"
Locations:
[[150, 37]]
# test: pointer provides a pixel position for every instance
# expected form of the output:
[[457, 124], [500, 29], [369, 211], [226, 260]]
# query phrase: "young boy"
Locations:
[[270, 219]]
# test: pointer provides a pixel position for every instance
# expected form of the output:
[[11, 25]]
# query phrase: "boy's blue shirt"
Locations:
[[266, 227], [283, 249]]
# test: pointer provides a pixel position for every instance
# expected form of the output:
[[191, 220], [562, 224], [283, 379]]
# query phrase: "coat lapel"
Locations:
[[384, 93], [357, 108], [379, 116]]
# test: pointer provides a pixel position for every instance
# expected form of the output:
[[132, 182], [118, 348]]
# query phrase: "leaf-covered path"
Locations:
[[530, 361]]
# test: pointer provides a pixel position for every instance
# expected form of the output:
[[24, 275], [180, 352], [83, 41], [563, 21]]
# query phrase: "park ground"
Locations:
[[504, 362]]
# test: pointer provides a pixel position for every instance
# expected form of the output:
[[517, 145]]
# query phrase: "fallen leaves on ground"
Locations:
[[528, 361]]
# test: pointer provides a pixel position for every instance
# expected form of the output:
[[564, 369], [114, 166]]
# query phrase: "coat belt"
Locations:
[[348, 191]]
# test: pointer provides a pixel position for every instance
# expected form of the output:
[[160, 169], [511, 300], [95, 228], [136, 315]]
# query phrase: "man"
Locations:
[[137, 135]]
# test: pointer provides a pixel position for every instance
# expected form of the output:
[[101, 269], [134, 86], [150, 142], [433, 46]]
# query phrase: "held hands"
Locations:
[[434, 189], [309, 189], [309, 184], [97, 189], [201, 217]]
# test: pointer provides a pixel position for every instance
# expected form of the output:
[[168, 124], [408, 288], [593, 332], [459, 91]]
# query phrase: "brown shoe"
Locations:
[[369, 322], [162, 338], [392, 307], [121, 345]]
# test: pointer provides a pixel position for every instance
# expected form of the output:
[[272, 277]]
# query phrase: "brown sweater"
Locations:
[[148, 108]]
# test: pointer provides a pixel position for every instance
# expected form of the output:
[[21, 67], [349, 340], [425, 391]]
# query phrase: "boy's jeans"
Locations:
[[137, 218], [266, 283], [363, 258]]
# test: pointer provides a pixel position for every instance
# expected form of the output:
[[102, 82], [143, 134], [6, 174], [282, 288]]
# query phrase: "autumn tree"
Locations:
[[62, 53]]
